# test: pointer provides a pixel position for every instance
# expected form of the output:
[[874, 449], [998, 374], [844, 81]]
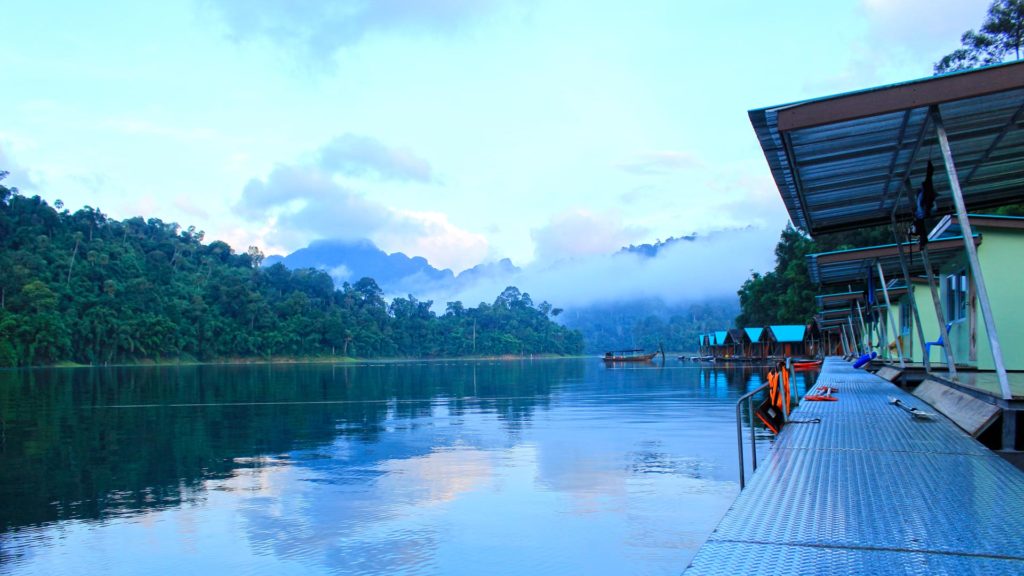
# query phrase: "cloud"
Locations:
[[711, 266], [582, 233], [431, 235], [298, 203], [356, 155], [307, 198], [659, 162], [19, 177], [923, 26], [320, 29]]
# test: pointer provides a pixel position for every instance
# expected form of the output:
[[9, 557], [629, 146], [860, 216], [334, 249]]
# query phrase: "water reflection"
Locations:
[[387, 468]]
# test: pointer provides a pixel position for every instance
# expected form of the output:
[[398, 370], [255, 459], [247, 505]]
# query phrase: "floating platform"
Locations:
[[871, 490]]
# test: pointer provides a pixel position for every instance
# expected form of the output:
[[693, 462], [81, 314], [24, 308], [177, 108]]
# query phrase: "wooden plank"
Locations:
[[974, 416], [889, 373]]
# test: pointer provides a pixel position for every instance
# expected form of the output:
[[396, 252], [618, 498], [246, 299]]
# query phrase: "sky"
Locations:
[[463, 131]]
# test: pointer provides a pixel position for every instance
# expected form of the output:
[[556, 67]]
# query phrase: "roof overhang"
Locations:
[[850, 160], [846, 266], [950, 224]]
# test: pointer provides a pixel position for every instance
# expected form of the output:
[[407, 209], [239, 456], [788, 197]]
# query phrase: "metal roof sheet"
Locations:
[[754, 334], [846, 266], [846, 161], [788, 332]]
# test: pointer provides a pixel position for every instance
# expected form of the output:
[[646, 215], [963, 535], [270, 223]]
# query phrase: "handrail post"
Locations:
[[739, 430], [739, 440], [753, 435]]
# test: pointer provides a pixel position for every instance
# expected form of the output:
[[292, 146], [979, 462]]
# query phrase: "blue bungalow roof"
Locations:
[[754, 334], [788, 332], [720, 336]]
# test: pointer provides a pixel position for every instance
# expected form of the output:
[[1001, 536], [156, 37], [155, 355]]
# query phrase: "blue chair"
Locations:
[[939, 342]]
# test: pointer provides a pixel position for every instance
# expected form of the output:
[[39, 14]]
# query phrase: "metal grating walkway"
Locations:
[[871, 490]]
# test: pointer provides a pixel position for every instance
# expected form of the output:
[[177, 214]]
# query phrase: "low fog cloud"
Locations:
[[712, 266]]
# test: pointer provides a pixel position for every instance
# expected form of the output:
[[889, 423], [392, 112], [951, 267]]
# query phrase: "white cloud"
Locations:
[[19, 176], [582, 233], [660, 162], [320, 29], [357, 155], [298, 203], [431, 235], [922, 26]]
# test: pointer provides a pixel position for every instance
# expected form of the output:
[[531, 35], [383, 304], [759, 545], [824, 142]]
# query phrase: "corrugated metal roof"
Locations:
[[847, 266], [845, 161], [754, 334], [950, 225], [788, 332]]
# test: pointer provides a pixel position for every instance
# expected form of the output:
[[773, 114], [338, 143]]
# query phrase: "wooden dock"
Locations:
[[871, 490]]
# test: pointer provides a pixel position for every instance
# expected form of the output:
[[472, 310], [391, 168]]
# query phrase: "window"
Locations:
[[955, 287], [905, 317]]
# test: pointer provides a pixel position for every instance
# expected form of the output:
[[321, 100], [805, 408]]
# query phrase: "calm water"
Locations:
[[542, 467]]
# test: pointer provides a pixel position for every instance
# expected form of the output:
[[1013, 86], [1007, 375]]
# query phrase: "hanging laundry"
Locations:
[[925, 204]]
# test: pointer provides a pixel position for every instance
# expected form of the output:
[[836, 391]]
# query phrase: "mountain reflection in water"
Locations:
[[541, 467]]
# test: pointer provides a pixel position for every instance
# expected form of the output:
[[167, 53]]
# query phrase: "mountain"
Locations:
[[348, 261], [651, 250]]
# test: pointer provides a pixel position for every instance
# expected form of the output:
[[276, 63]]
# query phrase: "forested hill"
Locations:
[[86, 288]]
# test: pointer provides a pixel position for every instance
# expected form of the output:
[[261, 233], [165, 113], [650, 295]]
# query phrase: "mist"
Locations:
[[709, 267]]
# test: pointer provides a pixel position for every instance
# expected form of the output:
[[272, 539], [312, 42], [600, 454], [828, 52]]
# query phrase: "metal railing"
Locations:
[[739, 430]]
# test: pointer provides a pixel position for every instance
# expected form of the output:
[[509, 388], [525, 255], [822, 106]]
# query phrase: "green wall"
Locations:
[[1000, 254]]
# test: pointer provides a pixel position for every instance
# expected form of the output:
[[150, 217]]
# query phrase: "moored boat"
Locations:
[[806, 364], [635, 355]]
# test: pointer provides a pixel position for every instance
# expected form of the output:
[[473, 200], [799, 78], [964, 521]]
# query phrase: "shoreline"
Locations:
[[286, 360]]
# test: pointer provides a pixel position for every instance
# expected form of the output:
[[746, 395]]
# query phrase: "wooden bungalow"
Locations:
[[738, 343], [719, 343], [787, 340], [756, 346]]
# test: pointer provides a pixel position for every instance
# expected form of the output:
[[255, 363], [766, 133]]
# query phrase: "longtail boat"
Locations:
[[635, 355]]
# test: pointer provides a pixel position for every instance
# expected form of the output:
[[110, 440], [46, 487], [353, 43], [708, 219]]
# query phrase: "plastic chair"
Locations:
[[939, 342]]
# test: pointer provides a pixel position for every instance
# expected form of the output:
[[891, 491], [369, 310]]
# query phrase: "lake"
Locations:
[[518, 467]]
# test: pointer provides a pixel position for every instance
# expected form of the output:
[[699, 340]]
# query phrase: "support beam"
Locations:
[[1009, 429], [854, 343], [946, 344], [910, 294], [865, 334], [888, 305], [972, 253]]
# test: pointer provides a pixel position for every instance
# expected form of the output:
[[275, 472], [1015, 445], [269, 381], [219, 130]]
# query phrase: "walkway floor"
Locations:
[[870, 490]]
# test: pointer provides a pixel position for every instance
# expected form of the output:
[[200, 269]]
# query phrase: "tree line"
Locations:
[[649, 323], [86, 288]]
